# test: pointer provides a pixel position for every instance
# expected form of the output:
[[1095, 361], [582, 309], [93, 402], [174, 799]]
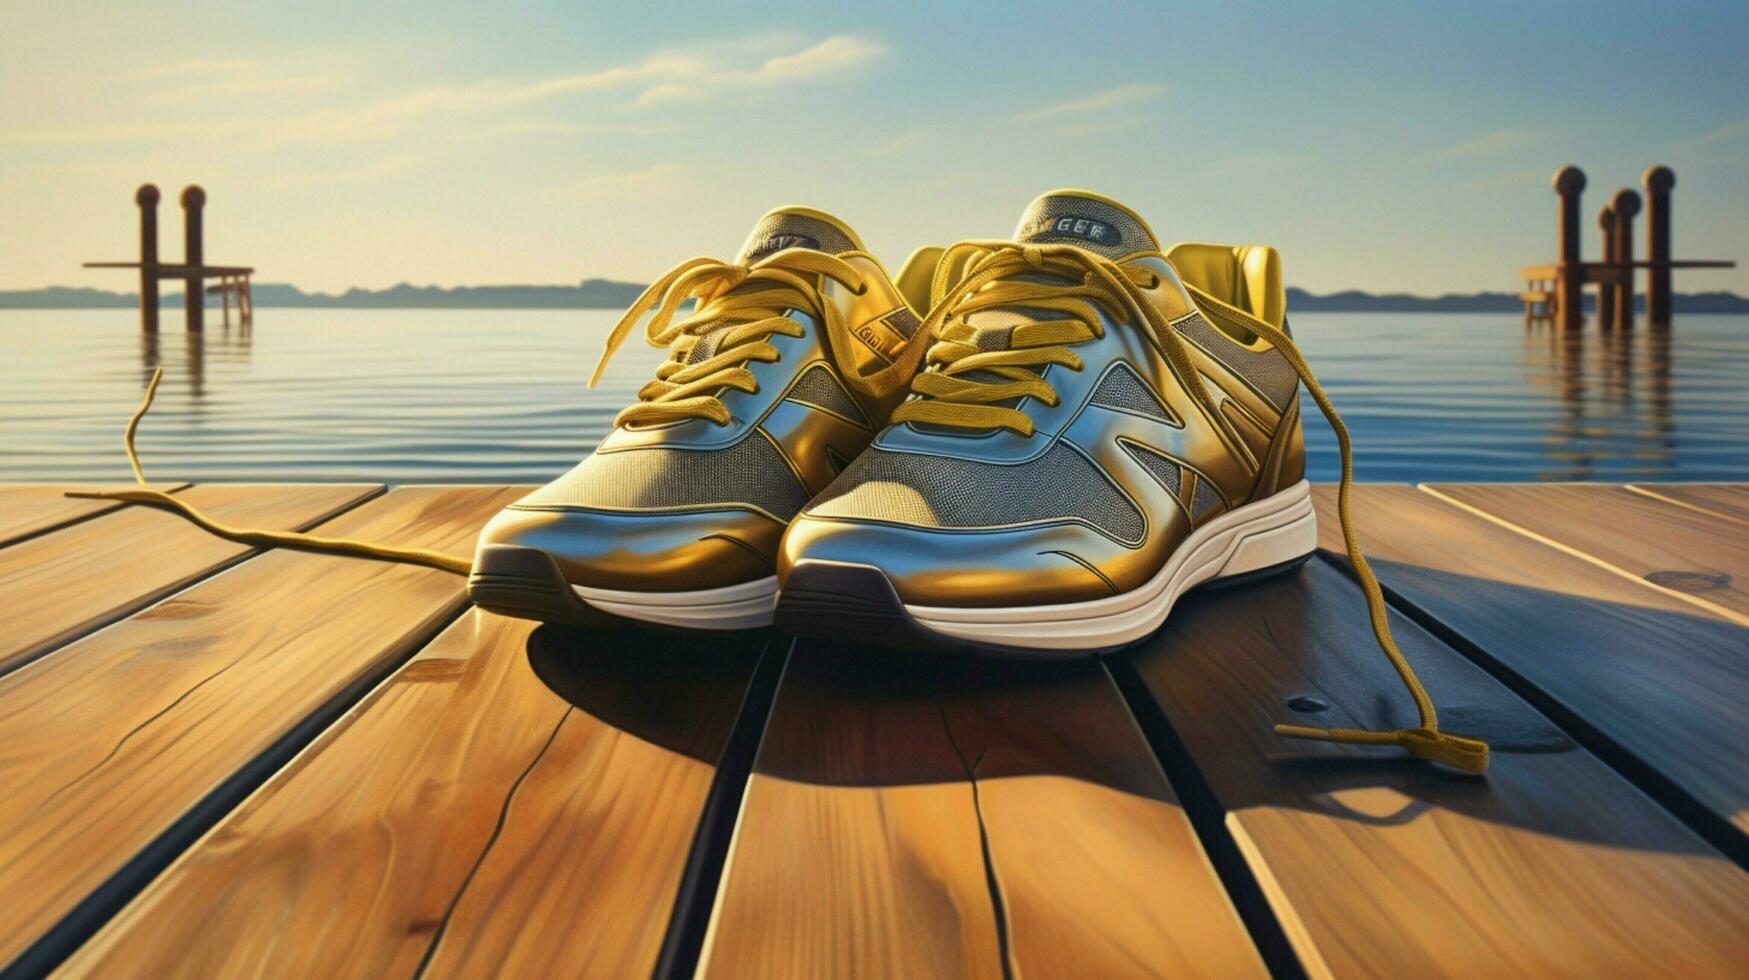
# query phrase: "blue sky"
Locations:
[[1380, 146]]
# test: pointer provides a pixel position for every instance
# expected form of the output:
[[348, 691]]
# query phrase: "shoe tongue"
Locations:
[[798, 228], [1082, 218]]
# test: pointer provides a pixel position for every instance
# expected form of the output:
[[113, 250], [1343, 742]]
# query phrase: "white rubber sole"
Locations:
[[1272, 531], [734, 607]]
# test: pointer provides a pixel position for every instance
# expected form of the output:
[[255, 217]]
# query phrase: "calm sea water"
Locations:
[[464, 395]]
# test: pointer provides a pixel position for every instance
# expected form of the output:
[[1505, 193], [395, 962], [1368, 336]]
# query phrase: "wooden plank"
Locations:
[[1692, 554], [882, 784], [350, 860], [1726, 499], [1378, 865], [63, 585], [27, 510], [1646, 672], [584, 875], [123, 747]]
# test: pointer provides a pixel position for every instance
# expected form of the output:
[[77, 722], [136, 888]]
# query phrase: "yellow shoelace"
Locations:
[[145, 493], [949, 396], [680, 390], [749, 303]]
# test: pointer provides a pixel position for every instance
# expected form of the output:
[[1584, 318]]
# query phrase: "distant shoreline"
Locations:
[[605, 294]]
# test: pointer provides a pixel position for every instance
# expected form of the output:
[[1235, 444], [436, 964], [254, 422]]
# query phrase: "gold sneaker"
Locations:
[[795, 355], [1055, 486], [1102, 425]]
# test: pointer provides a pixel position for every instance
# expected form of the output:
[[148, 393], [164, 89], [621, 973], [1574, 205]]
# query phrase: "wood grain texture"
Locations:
[[1668, 545], [347, 861], [1652, 673], [879, 786], [584, 874], [1378, 865], [1728, 499], [60, 586], [29, 509], [118, 737]]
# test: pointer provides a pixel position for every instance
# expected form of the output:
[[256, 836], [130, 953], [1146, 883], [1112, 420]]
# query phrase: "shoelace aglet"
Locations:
[[1463, 754]]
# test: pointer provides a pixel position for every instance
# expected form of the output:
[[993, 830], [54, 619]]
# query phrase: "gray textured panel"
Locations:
[[1206, 501], [1267, 371], [776, 232], [946, 492], [817, 387], [1122, 390], [1161, 466], [1122, 234], [751, 471]]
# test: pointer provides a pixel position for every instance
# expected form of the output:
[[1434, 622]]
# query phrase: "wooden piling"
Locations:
[[1626, 204], [1606, 291], [1659, 182], [1570, 280], [193, 200], [147, 198]]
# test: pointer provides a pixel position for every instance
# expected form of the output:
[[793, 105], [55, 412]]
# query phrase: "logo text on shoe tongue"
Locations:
[[778, 241], [886, 336], [1074, 226]]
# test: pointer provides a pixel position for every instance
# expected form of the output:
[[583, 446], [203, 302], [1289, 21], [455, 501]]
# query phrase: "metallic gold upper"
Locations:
[[794, 356], [1056, 451]]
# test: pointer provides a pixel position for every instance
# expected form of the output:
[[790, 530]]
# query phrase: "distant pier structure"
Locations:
[[1554, 292], [233, 280]]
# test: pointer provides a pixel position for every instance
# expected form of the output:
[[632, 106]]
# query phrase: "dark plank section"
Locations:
[[908, 818], [1377, 865], [1647, 672], [1673, 547], [585, 870], [350, 861], [27, 510], [122, 747], [1727, 499], [63, 585]]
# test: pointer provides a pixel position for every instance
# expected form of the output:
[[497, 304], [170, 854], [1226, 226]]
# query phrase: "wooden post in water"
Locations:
[[1626, 204], [147, 198], [1659, 181], [1569, 307], [193, 200], [1606, 291]]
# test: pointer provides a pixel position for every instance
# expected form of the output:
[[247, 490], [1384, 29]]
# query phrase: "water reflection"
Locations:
[[441, 396], [231, 346], [1613, 390]]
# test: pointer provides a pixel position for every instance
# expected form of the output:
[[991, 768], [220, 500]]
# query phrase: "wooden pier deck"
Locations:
[[218, 762]]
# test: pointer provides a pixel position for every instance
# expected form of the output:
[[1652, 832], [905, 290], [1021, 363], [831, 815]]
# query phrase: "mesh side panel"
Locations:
[[776, 232], [1162, 467], [818, 388], [705, 347], [749, 472], [903, 321], [1206, 501], [1267, 371], [1093, 225], [1122, 390], [945, 492]]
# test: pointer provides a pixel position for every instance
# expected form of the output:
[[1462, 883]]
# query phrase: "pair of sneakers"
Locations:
[[1030, 448], [1025, 448]]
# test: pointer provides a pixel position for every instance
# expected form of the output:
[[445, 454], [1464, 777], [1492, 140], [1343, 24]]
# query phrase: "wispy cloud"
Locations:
[[389, 166], [1489, 144], [654, 179], [901, 142], [1120, 96], [229, 79], [664, 78], [1725, 133]]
